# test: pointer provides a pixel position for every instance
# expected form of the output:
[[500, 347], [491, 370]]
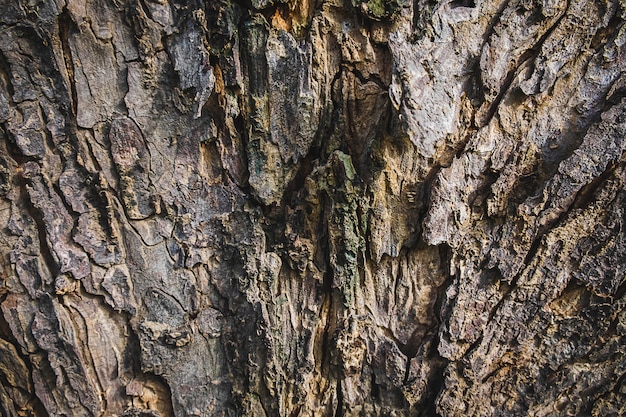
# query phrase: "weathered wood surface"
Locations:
[[317, 207]]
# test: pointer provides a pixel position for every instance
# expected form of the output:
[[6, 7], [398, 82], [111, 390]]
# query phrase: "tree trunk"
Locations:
[[312, 208]]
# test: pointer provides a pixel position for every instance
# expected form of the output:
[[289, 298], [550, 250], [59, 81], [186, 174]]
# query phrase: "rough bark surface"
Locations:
[[308, 208]]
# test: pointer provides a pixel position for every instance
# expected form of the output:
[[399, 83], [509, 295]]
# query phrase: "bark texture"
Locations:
[[309, 208]]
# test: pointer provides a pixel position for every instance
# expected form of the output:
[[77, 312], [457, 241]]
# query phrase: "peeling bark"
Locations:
[[303, 208]]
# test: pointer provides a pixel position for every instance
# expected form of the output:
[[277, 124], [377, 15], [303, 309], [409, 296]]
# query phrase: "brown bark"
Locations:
[[319, 207]]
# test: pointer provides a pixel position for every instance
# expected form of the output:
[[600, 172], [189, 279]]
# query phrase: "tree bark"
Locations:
[[317, 207]]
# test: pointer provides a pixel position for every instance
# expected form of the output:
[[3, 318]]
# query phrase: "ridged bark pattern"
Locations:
[[312, 208]]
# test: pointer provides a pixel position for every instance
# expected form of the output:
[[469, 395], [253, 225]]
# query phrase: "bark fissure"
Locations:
[[65, 29], [42, 237], [527, 56]]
